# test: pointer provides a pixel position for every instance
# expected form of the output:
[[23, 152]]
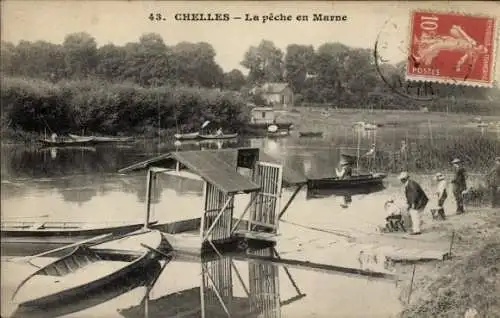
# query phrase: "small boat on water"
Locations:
[[83, 141], [187, 136], [279, 133], [310, 133], [102, 139], [362, 180], [89, 269], [216, 136], [142, 276], [31, 235]]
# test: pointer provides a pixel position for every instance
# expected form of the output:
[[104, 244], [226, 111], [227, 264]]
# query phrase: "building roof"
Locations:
[[217, 167], [207, 164]]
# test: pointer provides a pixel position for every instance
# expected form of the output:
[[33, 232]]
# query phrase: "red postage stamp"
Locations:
[[452, 48]]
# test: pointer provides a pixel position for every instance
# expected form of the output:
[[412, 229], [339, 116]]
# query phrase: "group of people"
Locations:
[[417, 200]]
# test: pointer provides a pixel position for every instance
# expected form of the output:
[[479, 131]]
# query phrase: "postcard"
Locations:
[[250, 159]]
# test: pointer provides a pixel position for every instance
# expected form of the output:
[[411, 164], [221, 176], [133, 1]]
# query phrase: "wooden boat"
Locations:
[[311, 134], [363, 180], [214, 136], [69, 142], [37, 236], [89, 269], [139, 277], [279, 133], [188, 136], [102, 139]]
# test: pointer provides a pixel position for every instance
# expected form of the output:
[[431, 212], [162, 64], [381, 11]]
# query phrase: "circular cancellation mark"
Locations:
[[392, 45]]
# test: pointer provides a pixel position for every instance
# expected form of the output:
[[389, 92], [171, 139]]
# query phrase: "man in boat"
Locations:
[[493, 181], [459, 184], [53, 137], [441, 196], [344, 171], [416, 200], [219, 132]]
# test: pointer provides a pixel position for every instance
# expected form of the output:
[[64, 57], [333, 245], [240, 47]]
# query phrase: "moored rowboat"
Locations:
[[69, 142], [36, 236], [311, 133], [215, 136], [352, 182], [88, 269], [188, 136], [102, 139]]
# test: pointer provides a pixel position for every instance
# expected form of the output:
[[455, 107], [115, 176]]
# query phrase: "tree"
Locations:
[[81, 54], [234, 80], [112, 61], [264, 62], [196, 66], [298, 60]]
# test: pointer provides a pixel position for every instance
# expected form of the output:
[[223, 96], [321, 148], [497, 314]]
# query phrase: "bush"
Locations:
[[101, 107]]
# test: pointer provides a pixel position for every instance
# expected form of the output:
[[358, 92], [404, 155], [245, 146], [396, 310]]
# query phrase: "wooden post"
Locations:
[[290, 201], [149, 184], [411, 283], [357, 155]]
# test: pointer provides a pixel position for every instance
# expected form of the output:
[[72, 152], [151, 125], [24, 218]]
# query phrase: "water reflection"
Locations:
[[144, 276], [217, 293]]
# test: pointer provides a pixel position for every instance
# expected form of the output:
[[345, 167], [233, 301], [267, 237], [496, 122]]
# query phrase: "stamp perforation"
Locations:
[[454, 81]]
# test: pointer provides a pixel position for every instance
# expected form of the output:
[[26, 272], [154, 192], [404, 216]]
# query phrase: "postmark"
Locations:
[[391, 55], [451, 48]]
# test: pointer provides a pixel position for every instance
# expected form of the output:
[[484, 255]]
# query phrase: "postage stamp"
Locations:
[[452, 48]]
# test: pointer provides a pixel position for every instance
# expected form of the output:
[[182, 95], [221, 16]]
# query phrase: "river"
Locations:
[[83, 184]]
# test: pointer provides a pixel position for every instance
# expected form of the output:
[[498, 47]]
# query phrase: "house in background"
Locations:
[[262, 115], [275, 94]]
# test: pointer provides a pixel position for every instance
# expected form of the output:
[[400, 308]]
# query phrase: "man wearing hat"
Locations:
[[441, 195], [493, 181], [345, 170], [416, 200], [459, 184]]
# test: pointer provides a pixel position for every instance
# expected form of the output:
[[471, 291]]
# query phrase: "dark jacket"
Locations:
[[493, 176], [415, 196], [459, 183]]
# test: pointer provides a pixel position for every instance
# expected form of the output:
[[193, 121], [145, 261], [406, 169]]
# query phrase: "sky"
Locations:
[[120, 22]]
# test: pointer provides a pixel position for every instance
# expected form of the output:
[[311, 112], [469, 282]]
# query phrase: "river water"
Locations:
[[82, 184]]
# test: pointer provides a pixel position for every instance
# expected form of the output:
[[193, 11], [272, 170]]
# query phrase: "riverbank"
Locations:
[[469, 280]]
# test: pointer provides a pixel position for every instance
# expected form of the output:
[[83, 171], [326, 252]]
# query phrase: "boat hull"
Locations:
[[81, 142], [311, 134], [214, 137], [190, 136], [98, 139], [353, 182], [103, 251], [26, 241]]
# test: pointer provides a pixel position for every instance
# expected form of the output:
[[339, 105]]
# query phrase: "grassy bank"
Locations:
[[35, 106], [469, 280]]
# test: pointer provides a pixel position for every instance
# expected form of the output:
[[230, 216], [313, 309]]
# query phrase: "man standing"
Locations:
[[416, 200], [459, 184], [493, 181]]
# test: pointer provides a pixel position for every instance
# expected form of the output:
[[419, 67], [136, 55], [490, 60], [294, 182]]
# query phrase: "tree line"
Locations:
[[332, 74]]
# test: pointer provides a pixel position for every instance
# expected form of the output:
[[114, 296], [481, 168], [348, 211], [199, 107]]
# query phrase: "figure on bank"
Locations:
[[416, 201], [441, 195], [459, 184], [493, 181]]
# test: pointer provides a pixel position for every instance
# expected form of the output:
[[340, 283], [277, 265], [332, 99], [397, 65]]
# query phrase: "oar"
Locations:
[[26, 217], [156, 250], [29, 258]]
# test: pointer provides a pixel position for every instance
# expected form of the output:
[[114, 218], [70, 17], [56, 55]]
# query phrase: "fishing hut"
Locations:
[[225, 174], [223, 290]]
